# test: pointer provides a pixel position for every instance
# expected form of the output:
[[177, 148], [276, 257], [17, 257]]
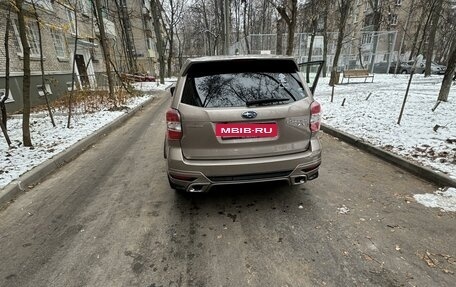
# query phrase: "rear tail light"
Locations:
[[173, 123], [315, 117]]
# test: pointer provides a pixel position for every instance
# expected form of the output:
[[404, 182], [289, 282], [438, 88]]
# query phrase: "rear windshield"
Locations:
[[242, 89]]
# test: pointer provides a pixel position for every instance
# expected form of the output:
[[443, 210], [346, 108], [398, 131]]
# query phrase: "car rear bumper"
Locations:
[[201, 175]]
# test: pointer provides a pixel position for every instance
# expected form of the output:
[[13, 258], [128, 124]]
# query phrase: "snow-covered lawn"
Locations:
[[373, 119], [371, 112], [423, 136], [48, 141]]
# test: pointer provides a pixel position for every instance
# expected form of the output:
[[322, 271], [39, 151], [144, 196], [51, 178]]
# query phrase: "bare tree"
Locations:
[[343, 9], [326, 9], [156, 10], [73, 73], [26, 138], [412, 7], [426, 24], [3, 98], [449, 74], [43, 79], [376, 20], [431, 39], [105, 46], [174, 10], [279, 38], [288, 11], [244, 23]]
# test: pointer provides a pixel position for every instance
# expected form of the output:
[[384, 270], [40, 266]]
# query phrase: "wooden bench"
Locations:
[[350, 74]]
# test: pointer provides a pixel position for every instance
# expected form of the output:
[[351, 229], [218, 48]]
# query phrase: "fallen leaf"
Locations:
[[429, 261]]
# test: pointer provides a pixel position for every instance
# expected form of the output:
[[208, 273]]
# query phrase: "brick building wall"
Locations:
[[58, 39]]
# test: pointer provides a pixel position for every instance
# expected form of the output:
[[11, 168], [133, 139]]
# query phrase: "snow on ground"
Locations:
[[48, 141], [445, 200], [423, 136], [374, 120]]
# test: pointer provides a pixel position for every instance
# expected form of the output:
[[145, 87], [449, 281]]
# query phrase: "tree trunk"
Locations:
[[290, 21], [433, 31], [449, 74], [344, 9], [246, 31], [3, 98], [43, 79], [3, 114], [325, 38], [375, 5], [170, 52], [226, 27], [73, 74], [160, 45], [279, 41], [309, 56], [127, 55], [180, 52], [105, 47], [417, 35], [207, 32], [398, 60], [26, 138], [292, 27]]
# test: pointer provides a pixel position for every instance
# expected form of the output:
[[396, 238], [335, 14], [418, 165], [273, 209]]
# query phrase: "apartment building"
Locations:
[[61, 21], [398, 33], [138, 52]]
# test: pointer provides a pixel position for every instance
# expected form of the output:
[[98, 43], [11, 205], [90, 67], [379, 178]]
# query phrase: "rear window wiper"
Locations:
[[265, 101]]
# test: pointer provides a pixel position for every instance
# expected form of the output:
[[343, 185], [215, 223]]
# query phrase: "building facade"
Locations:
[[69, 31]]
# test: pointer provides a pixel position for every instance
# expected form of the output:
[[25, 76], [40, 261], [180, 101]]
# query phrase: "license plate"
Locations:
[[257, 130]]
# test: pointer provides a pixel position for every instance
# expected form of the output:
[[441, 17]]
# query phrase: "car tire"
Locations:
[[404, 72]]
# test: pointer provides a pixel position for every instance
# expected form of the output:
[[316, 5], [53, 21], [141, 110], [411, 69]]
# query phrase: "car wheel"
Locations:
[[404, 72]]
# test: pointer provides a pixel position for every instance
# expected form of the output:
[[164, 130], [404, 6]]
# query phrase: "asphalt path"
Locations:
[[109, 218]]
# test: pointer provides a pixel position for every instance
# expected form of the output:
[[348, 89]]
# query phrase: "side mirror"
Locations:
[[171, 90]]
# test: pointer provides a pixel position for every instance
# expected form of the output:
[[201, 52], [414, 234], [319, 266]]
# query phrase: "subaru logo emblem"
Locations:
[[249, 115]]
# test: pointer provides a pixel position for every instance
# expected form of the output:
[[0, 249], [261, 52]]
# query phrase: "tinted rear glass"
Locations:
[[242, 89]]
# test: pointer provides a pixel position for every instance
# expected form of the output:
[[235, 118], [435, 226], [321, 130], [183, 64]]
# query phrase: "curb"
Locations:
[[417, 170], [33, 176]]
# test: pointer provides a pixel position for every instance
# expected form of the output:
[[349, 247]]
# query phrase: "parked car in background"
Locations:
[[436, 69], [242, 119], [382, 68], [406, 67]]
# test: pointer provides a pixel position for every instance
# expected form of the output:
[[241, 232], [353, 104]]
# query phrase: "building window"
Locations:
[[41, 92], [32, 38], [367, 38], [59, 43], [149, 43], [392, 19], [71, 21]]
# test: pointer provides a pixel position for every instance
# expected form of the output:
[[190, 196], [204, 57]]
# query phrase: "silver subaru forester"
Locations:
[[243, 119]]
